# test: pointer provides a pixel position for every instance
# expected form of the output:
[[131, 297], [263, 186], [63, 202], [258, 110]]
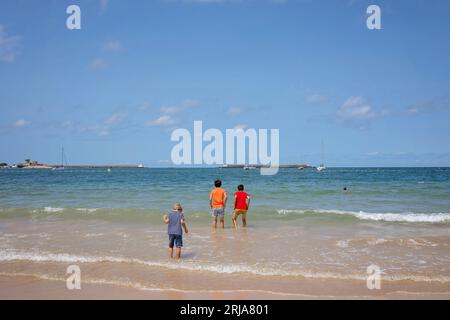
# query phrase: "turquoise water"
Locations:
[[111, 224], [420, 195]]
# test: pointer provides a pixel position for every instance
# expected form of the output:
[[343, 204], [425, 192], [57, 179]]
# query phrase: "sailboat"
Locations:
[[322, 166], [63, 157]]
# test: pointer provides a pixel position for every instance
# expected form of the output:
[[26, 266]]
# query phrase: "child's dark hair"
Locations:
[[241, 187], [218, 183]]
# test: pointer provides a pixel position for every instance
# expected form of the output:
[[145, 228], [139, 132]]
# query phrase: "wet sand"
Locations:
[[35, 288]]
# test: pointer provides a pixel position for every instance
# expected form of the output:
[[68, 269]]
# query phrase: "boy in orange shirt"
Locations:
[[218, 202]]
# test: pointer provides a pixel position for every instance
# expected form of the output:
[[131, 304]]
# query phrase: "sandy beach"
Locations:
[[28, 287]]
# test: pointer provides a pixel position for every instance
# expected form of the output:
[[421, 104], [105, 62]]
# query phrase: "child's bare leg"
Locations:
[[178, 253], [235, 223], [244, 220], [222, 222], [214, 223], [170, 253]]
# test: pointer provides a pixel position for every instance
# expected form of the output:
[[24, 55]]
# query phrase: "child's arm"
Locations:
[[235, 202], [210, 200], [183, 223], [166, 219], [225, 198], [248, 202]]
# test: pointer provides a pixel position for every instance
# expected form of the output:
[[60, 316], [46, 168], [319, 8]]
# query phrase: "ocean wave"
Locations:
[[53, 210], [418, 242], [12, 255], [264, 212], [387, 217]]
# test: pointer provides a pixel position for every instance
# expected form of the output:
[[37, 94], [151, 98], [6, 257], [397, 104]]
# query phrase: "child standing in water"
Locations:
[[175, 220], [217, 202], [241, 205]]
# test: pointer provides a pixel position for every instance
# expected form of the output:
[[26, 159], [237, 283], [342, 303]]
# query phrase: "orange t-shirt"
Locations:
[[218, 196]]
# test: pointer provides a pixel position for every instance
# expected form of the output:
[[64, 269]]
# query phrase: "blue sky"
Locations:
[[112, 92]]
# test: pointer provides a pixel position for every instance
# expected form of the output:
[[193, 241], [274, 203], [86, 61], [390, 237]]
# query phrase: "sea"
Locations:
[[303, 225]]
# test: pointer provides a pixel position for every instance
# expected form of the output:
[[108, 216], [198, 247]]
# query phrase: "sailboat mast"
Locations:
[[322, 151]]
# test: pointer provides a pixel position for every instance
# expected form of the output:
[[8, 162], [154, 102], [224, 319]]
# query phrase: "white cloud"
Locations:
[[144, 106], [67, 124], [162, 121], [97, 64], [412, 110], [315, 99], [8, 46], [241, 127], [113, 46], [356, 108], [170, 110], [21, 123], [169, 114], [233, 111], [433, 105], [102, 128], [115, 118], [189, 103]]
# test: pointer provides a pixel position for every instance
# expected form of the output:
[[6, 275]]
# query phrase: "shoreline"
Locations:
[[25, 287]]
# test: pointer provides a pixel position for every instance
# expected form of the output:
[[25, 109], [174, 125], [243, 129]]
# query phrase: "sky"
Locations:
[[112, 92]]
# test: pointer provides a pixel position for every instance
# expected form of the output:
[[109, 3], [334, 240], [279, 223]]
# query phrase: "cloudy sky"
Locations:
[[112, 92]]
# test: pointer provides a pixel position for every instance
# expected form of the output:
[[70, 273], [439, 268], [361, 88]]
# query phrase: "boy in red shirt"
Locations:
[[241, 205]]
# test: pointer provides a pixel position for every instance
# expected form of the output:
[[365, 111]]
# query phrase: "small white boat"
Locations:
[[249, 168], [321, 167], [109, 170]]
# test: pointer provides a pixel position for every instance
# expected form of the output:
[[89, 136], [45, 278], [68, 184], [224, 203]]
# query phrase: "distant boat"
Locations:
[[109, 170], [322, 166], [63, 159], [249, 167], [141, 166]]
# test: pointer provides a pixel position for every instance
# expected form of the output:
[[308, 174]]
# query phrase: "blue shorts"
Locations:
[[175, 239], [218, 212]]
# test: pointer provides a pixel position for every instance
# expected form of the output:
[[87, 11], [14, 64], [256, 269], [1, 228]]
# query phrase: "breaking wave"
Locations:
[[388, 217]]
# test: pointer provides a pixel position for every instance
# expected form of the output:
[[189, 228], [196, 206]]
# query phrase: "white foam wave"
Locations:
[[418, 242], [52, 209], [388, 217], [87, 210]]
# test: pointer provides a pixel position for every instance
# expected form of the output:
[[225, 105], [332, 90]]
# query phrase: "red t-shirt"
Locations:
[[241, 198]]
